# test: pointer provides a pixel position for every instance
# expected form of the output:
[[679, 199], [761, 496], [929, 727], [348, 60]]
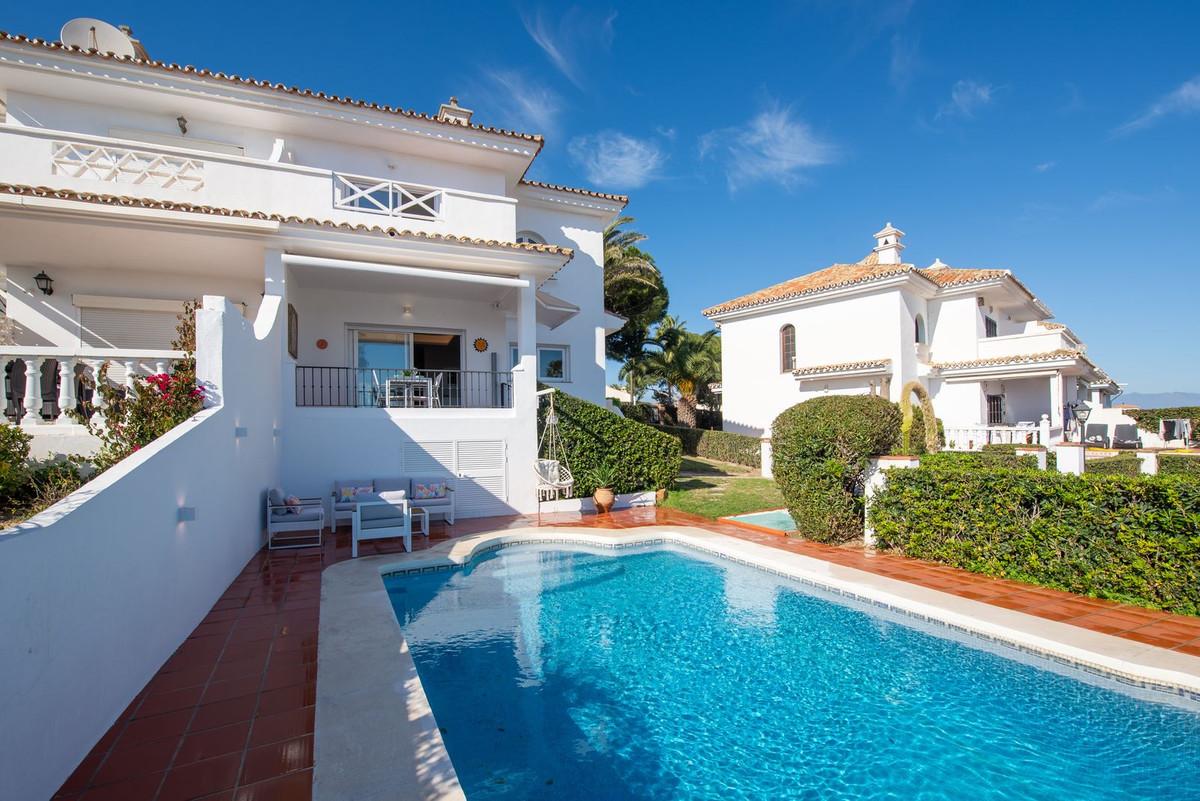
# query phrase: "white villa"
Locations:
[[413, 285], [983, 345]]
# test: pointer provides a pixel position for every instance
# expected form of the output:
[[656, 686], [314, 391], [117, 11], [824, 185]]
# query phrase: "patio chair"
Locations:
[[285, 520], [1096, 434], [435, 392], [1125, 436], [377, 520]]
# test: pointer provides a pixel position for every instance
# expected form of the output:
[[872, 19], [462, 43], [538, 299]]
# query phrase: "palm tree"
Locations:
[[634, 289], [624, 262], [685, 361]]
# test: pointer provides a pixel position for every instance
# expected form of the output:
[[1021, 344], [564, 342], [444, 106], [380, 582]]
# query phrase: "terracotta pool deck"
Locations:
[[230, 715]]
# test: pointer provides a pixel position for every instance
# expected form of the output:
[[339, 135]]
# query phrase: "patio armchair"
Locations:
[[1125, 436], [1096, 434], [285, 520], [377, 520]]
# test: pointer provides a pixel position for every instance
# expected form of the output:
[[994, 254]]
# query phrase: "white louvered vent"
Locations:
[[430, 458], [483, 478]]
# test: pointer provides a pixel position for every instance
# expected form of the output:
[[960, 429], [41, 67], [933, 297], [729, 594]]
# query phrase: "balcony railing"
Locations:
[[65, 377], [403, 389], [123, 165], [383, 196]]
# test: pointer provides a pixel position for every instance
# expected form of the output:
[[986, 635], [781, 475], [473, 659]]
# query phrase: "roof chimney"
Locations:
[[888, 245], [452, 112]]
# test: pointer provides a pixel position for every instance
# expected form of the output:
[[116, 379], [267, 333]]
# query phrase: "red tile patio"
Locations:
[[229, 717]]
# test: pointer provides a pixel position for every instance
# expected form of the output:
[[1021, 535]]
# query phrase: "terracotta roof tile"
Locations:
[[198, 72], [576, 191], [943, 275], [843, 367], [215, 211], [832, 277], [1023, 358]]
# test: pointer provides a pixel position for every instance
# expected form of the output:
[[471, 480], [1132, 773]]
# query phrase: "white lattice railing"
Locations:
[[124, 166], [382, 196]]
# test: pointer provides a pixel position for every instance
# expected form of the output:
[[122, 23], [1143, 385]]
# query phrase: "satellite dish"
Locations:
[[95, 34]]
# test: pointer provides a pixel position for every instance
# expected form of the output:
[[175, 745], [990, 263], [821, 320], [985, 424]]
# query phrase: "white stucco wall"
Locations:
[[100, 589]]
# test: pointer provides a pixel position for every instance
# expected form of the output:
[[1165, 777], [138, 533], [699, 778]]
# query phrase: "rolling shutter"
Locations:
[[127, 328]]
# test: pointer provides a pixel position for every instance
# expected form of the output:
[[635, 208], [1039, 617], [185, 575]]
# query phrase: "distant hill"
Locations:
[[1160, 400]]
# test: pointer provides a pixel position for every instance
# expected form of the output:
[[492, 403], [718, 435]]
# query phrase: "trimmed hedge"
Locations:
[[822, 449], [639, 412], [1123, 465], [977, 460], [1051, 456], [643, 457], [1128, 539], [1176, 464], [1148, 419], [724, 446]]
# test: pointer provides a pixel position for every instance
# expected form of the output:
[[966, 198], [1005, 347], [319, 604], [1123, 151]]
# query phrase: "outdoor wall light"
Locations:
[[240, 432], [187, 514], [1082, 413], [181, 121], [44, 283]]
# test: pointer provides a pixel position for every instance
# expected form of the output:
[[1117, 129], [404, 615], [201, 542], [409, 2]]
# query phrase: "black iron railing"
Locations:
[[403, 389]]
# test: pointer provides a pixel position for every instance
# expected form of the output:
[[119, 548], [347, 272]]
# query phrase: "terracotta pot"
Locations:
[[604, 499]]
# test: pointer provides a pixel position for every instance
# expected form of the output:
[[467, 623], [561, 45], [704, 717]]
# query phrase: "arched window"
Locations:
[[530, 237], [920, 330], [787, 348]]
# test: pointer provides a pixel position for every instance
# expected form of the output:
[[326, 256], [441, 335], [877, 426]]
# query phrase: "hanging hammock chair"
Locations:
[[553, 473]]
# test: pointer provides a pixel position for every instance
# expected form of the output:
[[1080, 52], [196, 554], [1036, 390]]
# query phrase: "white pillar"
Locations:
[[876, 481], [33, 392], [97, 419], [1149, 465], [1044, 431], [1056, 406], [130, 376], [1071, 456], [1039, 453], [766, 456], [526, 382], [66, 391]]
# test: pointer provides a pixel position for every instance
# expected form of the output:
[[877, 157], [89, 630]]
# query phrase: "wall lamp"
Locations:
[[44, 283], [186, 514]]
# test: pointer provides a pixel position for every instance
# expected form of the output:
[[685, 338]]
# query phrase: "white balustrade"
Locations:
[[974, 437], [29, 404], [384, 196], [123, 165]]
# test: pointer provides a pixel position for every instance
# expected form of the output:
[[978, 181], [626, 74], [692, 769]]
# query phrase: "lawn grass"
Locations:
[[715, 489]]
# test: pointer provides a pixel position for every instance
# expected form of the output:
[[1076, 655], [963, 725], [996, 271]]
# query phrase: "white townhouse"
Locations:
[[996, 366], [421, 285]]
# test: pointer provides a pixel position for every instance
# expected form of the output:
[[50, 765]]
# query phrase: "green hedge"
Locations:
[[975, 460], [1176, 464], [1148, 419], [1123, 465], [1051, 456], [643, 457], [724, 446], [822, 448], [1128, 539], [636, 411]]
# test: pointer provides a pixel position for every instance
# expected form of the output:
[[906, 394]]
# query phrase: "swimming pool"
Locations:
[[664, 673], [778, 519]]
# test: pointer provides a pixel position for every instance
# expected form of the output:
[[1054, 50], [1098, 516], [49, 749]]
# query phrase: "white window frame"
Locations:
[[514, 358], [349, 190]]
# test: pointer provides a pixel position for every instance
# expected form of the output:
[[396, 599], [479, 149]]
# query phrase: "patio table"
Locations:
[[402, 391]]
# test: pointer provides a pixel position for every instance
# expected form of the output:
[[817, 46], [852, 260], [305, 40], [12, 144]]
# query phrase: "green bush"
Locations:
[[724, 446], [1122, 465], [1176, 464], [636, 411], [1148, 419], [14, 455], [1051, 456], [822, 448], [1128, 539], [643, 457], [917, 436], [975, 460]]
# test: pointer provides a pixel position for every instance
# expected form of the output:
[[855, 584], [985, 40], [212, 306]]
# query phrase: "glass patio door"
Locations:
[[382, 350]]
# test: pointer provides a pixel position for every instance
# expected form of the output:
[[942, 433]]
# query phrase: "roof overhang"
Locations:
[[1004, 292], [876, 367], [554, 311], [908, 279], [563, 198], [613, 322]]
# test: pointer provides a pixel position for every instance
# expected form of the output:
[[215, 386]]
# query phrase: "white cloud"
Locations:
[[1117, 199], [966, 97], [574, 33], [1185, 99], [614, 159], [772, 146], [1045, 166], [525, 104]]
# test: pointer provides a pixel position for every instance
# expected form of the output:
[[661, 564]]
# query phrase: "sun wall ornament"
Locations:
[[481, 345]]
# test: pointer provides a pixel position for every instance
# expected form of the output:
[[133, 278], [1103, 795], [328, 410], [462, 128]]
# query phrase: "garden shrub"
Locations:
[[974, 460], [822, 449], [14, 454], [636, 411], [1127, 539], [1051, 456], [1176, 464], [724, 446], [644, 458], [1123, 465]]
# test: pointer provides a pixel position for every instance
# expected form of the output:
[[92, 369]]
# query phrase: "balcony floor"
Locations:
[[231, 714]]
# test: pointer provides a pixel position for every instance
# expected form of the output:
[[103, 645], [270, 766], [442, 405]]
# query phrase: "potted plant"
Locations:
[[604, 477]]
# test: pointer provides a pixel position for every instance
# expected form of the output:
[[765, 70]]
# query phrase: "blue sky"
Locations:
[[758, 143]]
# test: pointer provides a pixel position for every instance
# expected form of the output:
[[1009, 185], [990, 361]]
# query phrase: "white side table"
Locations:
[[420, 521]]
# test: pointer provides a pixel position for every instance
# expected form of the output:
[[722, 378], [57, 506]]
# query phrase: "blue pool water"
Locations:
[[668, 674], [776, 518]]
